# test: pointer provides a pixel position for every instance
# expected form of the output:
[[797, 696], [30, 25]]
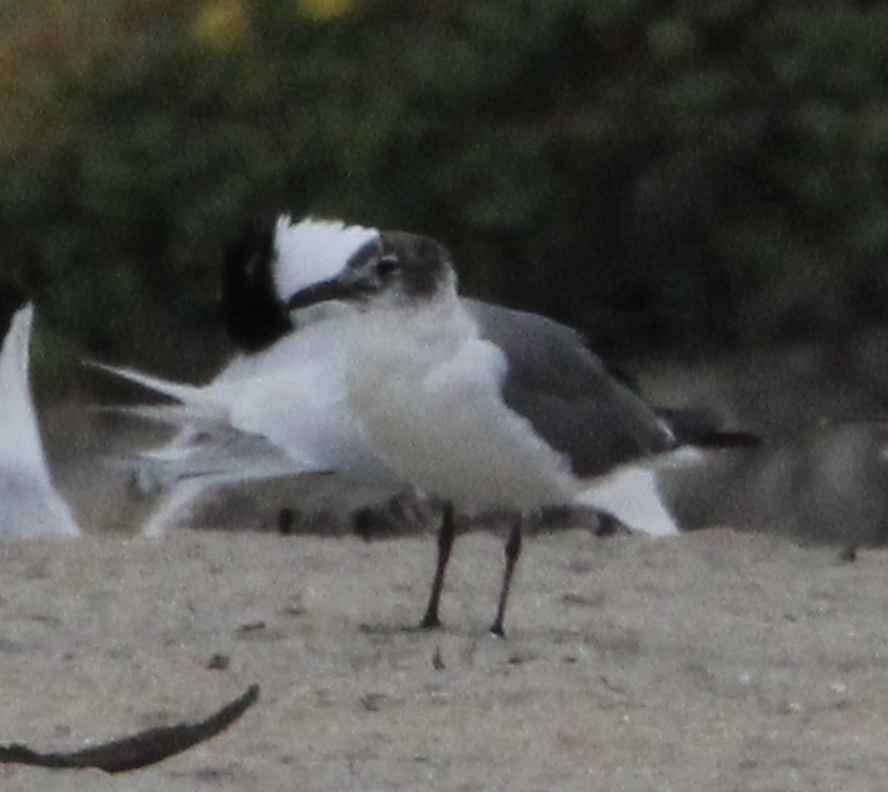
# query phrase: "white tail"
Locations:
[[632, 495]]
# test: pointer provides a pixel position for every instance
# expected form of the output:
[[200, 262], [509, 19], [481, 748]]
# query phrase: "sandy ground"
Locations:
[[715, 661]]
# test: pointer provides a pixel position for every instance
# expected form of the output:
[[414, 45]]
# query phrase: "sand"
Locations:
[[715, 661]]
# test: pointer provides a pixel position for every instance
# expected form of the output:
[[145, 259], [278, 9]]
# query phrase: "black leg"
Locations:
[[512, 551], [445, 545]]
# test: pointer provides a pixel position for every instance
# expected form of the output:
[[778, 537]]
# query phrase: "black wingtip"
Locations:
[[737, 439], [703, 428], [253, 314]]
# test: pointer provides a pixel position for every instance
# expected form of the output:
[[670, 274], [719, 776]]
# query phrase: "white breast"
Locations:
[[426, 389]]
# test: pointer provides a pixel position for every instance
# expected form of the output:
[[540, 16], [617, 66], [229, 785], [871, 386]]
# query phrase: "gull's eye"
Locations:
[[387, 268]]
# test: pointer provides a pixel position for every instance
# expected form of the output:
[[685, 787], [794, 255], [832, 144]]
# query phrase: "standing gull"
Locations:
[[482, 405], [30, 505]]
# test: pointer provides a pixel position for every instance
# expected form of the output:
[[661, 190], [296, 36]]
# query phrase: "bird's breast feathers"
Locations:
[[429, 397]]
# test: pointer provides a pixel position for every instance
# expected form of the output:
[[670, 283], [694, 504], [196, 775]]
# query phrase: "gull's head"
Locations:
[[393, 270]]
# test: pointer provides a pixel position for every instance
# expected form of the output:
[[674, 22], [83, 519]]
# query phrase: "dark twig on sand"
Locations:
[[137, 750]]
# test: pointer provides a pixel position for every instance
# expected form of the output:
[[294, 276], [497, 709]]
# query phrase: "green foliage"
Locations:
[[691, 174]]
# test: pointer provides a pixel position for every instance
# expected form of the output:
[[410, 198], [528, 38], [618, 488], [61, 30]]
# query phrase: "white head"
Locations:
[[313, 250], [273, 260]]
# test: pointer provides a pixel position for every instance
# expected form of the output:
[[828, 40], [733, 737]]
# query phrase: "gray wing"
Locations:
[[563, 389]]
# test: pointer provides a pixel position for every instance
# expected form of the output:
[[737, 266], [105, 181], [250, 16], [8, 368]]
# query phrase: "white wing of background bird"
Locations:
[[30, 505], [274, 411]]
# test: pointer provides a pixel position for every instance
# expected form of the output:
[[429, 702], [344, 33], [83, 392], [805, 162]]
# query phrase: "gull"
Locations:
[[483, 405], [30, 505]]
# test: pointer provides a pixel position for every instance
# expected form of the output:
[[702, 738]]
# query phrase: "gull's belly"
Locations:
[[438, 420]]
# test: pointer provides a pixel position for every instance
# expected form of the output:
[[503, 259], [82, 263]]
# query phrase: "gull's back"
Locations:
[[558, 384]]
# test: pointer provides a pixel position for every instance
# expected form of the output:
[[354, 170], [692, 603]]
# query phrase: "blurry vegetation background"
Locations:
[[680, 177]]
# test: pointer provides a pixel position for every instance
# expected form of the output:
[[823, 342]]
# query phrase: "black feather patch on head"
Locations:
[[253, 314], [11, 300]]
